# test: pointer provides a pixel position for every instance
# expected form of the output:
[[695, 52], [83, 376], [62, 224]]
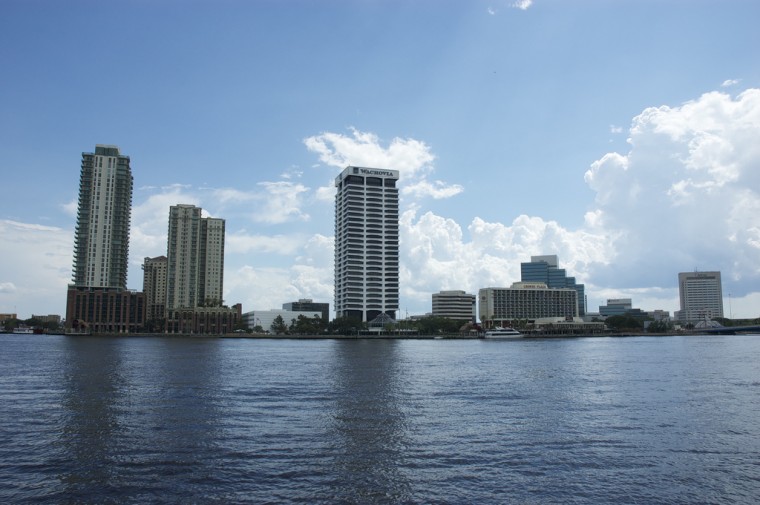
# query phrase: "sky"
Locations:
[[623, 136]]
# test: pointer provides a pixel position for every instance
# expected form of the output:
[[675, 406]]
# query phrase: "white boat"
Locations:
[[503, 333]]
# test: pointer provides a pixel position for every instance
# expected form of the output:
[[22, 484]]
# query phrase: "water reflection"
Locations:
[[138, 410], [369, 422], [93, 383]]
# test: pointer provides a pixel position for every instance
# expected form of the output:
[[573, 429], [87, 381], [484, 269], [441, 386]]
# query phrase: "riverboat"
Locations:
[[503, 333]]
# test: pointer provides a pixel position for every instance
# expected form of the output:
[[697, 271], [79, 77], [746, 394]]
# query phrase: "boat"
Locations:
[[23, 330], [503, 333]]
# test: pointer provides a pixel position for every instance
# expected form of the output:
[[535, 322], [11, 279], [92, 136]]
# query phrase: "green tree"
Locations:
[[278, 326], [625, 323], [345, 326]]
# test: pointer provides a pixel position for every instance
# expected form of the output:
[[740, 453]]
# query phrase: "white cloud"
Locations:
[[36, 268], [616, 129], [730, 82], [411, 157], [7, 287], [280, 203], [685, 196], [435, 189], [491, 11], [522, 4]]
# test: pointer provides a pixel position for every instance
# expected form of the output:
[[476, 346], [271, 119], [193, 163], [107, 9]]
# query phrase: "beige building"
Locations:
[[454, 305], [195, 259], [526, 300], [154, 287]]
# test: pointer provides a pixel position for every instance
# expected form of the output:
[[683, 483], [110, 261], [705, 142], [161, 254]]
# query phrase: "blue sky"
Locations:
[[621, 136]]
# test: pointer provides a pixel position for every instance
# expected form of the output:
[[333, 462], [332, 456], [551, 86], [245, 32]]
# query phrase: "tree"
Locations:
[[625, 323], [278, 326], [345, 326]]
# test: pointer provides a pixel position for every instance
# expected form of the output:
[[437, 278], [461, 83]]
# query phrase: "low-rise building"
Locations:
[[265, 318], [454, 305], [525, 301]]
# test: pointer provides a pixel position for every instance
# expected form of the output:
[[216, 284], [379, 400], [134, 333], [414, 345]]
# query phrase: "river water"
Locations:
[[195, 420]]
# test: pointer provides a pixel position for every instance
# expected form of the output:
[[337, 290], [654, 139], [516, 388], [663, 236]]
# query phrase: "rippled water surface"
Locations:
[[597, 420]]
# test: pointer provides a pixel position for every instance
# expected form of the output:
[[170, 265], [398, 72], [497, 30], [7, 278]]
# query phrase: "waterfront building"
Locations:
[[701, 296], [265, 318], [205, 320], [195, 274], [101, 240], [104, 310], [308, 305], [525, 301], [454, 305], [195, 258], [616, 307], [154, 287], [546, 269], [8, 317], [366, 244], [98, 299]]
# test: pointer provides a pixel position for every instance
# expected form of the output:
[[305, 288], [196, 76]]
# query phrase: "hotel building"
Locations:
[[546, 269], [526, 300], [366, 244], [701, 296]]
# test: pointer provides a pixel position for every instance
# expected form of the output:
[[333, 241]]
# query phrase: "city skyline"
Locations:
[[620, 138]]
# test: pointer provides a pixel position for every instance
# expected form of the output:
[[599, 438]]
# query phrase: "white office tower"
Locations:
[[366, 244], [701, 295], [195, 259]]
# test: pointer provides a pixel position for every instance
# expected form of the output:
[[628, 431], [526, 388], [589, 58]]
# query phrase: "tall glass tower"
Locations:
[[366, 243], [101, 241]]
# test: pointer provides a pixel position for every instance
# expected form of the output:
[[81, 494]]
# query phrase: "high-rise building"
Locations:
[[195, 259], [366, 244], [701, 296], [546, 269], [154, 287], [454, 305], [97, 301], [101, 241]]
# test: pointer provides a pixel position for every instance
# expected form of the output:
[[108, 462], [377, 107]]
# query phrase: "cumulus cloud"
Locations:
[[411, 157], [685, 195], [730, 82], [438, 255], [280, 203]]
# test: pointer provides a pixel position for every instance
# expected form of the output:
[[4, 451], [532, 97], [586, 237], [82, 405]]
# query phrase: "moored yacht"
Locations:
[[503, 333]]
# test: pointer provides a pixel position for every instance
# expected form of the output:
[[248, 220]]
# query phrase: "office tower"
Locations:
[[195, 259], [546, 269], [154, 287], [101, 241], [454, 305], [366, 244], [308, 305], [701, 295]]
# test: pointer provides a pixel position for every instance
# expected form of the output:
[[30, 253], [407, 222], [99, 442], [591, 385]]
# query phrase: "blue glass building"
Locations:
[[546, 269]]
